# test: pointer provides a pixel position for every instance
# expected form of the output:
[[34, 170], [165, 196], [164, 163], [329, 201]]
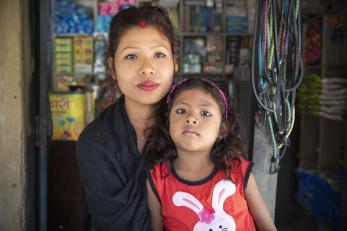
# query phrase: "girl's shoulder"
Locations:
[[159, 169], [239, 161], [241, 165], [240, 171]]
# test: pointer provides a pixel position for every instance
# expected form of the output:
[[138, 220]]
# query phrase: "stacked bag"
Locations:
[[72, 18], [308, 95], [321, 194], [106, 10], [333, 98]]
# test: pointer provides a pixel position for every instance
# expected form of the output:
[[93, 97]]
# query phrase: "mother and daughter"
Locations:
[[162, 157]]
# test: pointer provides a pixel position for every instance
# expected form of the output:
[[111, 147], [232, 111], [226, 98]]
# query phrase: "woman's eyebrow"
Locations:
[[130, 47]]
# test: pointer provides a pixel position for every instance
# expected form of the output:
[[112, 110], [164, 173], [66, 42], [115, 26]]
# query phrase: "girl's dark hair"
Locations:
[[134, 16], [160, 147]]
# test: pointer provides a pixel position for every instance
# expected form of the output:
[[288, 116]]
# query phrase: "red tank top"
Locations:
[[210, 204]]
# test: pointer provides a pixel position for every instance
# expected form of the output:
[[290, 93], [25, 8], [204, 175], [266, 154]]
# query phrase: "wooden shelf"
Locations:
[[308, 67], [193, 28], [71, 35], [202, 74]]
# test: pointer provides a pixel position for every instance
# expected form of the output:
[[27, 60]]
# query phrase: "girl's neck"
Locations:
[[193, 166], [138, 115]]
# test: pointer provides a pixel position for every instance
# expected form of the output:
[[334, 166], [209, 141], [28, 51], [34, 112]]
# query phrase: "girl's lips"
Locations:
[[190, 133], [148, 85]]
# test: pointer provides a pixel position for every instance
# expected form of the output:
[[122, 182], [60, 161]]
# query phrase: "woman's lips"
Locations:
[[148, 85]]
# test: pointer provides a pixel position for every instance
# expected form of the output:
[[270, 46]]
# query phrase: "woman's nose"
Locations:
[[147, 68], [191, 120]]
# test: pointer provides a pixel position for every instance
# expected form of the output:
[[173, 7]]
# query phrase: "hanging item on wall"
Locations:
[[277, 70], [313, 43], [83, 54]]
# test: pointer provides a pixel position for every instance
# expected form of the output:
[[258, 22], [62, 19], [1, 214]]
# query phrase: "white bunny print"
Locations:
[[210, 220]]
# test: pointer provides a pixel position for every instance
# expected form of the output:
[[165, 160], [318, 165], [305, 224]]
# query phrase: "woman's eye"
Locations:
[[180, 111], [159, 55], [131, 56], [206, 113]]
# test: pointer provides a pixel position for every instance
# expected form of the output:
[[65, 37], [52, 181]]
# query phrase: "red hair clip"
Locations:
[[142, 23]]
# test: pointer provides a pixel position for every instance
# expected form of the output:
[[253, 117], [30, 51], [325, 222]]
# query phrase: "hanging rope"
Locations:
[[277, 70]]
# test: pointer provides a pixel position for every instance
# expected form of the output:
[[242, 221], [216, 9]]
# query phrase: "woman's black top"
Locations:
[[113, 172]]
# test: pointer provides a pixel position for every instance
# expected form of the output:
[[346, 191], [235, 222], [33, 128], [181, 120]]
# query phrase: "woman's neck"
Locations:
[[193, 166], [138, 115]]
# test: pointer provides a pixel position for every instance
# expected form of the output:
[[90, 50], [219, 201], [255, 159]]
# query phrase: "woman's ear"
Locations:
[[175, 63], [111, 67]]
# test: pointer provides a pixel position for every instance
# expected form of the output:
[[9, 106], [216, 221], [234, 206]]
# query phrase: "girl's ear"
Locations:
[[223, 131], [110, 67]]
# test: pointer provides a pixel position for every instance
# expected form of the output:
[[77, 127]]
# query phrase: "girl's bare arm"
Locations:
[[154, 209], [261, 214]]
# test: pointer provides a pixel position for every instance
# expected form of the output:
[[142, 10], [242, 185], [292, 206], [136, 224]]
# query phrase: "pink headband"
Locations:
[[215, 86]]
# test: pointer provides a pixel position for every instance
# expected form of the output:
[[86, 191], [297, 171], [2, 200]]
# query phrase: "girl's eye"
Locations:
[[180, 111], [159, 55], [130, 57], [205, 113]]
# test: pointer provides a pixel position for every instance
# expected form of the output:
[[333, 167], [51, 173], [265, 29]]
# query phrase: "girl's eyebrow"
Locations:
[[200, 105], [181, 102], [205, 104], [159, 46]]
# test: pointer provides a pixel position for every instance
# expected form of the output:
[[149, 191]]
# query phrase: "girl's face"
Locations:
[[143, 65], [195, 121]]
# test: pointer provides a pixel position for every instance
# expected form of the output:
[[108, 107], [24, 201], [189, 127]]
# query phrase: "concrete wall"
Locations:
[[262, 153], [14, 78]]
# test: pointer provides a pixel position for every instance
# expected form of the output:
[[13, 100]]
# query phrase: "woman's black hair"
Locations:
[[160, 147], [135, 16]]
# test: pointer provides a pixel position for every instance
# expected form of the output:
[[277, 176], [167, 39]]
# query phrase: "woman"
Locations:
[[141, 60]]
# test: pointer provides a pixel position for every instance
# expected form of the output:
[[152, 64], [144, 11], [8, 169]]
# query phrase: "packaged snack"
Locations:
[[68, 112]]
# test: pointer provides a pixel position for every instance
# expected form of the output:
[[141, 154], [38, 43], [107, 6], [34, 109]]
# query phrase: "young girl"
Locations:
[[201, 182], [141, 61]]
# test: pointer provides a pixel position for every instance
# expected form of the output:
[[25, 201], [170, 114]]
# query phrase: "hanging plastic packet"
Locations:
[[99, 66]]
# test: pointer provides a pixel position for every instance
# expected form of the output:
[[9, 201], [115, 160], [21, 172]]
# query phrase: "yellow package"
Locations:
[[68, 112]]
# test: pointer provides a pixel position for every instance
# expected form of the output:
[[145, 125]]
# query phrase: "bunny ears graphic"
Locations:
[[221, 192]]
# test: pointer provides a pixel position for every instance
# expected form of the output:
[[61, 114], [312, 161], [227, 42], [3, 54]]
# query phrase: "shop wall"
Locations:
[[14, 78]]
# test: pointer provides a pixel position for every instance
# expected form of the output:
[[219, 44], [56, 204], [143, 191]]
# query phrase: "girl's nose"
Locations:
[[191, 120], [147, 68]]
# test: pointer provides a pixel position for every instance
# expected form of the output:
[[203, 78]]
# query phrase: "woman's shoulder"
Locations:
[[96, 130], [102, 122]]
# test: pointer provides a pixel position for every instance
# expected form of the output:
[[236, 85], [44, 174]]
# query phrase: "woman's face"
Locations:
[[143, 65]]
